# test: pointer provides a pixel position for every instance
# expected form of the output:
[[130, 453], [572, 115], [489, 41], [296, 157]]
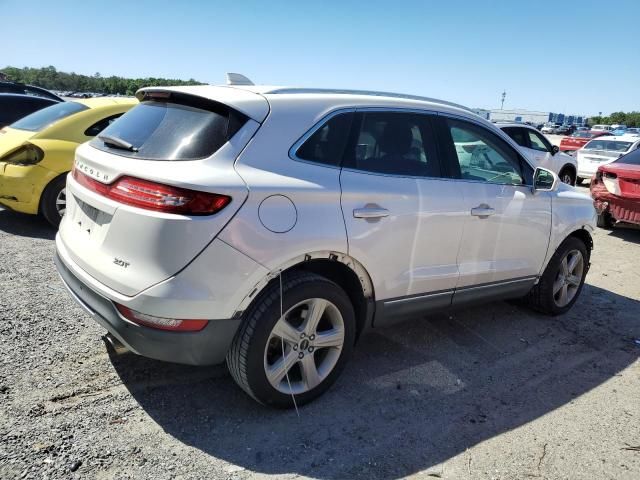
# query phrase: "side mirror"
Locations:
[[544, 180], [555, 149]]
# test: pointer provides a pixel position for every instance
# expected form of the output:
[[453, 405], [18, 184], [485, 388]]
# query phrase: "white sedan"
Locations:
[[602, 151]]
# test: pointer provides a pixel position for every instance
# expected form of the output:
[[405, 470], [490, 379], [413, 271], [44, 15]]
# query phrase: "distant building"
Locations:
[[528, 116]]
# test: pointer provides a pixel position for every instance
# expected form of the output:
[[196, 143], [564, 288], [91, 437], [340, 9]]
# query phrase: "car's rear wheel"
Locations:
[[604, 220], [299, 353], [563, 279], [53, 203], [567, 176]]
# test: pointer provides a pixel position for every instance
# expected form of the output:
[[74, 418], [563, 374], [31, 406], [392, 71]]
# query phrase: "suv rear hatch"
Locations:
[[155, 188]]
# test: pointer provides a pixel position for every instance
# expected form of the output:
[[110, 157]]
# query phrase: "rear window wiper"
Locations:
[[117, 143]]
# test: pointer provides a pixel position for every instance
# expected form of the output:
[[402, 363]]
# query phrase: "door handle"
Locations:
[[370, 212], [482, 211]]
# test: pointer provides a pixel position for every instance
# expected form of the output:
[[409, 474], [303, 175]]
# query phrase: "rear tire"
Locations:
[[54, 201], [567, 176], [561, 283], [605, 221], [312, 359]]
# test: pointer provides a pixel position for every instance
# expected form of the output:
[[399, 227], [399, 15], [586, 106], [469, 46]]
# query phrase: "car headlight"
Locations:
[[27, 154]]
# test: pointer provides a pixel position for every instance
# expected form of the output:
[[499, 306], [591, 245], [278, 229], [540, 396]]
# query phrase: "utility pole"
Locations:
[[504, 94]]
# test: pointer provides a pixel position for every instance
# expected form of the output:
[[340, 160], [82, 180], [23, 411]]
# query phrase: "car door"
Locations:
[[540, 150], [404, 221], [507, 227]]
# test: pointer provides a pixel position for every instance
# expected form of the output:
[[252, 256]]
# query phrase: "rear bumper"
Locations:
[[621, 209], [21, 186], [206, 347]]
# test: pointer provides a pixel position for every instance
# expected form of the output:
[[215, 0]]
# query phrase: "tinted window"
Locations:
[[632, 158], [45, 117], [394, 143], [326, 145], [517, 134], [482, 156], [537, 142], [171, 131], [97, 127], [13, 108]]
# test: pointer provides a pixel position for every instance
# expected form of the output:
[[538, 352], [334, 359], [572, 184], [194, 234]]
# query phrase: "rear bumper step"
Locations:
[[206, 347]]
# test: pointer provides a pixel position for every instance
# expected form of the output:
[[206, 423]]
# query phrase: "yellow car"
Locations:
[[37, 152]]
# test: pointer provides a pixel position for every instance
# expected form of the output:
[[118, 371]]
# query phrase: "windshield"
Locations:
[[608, 145], [582, 135], [157, 130], [37, 121]]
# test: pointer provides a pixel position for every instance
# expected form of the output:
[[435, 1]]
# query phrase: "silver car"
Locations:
[[270, 227]]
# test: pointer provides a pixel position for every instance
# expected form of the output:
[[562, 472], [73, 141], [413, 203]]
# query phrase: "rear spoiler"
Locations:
[[248, 103]]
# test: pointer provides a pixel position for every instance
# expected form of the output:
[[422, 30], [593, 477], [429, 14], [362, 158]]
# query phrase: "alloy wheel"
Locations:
[[61, 202], [304, 346], [568, 278]]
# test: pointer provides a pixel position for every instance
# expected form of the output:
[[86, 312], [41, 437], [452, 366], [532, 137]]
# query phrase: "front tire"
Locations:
[[567, 176], [563, 279], [53, 203], [300, 353]]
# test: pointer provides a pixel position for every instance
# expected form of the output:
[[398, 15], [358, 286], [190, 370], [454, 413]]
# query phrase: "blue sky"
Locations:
[[565, 56]]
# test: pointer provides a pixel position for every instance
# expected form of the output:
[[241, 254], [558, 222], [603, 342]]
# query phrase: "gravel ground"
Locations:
[[495, 392]]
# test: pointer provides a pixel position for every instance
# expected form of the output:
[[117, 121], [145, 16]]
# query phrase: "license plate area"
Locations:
[[89, 221]]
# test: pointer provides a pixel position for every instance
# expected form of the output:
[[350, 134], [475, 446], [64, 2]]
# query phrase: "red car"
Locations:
[[615, 190], [578, 140]]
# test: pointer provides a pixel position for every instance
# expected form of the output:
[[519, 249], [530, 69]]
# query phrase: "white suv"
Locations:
[[541, 152], [271, 226]]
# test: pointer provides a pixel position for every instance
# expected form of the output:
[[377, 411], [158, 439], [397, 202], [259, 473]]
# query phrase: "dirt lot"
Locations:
[[496, 392]]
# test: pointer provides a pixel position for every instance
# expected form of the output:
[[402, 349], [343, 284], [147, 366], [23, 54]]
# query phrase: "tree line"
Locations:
[[630, 119], [52, 79]]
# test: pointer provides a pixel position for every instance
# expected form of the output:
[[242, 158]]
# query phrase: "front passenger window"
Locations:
[[482, 156], [537, 143]]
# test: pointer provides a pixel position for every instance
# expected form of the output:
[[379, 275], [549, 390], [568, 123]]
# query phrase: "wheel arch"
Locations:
[[338, 267]]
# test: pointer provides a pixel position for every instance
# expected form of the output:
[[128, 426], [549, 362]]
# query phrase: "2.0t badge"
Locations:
[[121, 263]]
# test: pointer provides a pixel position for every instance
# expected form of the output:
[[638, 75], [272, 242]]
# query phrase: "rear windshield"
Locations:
[[632, 158], [582, 135], [161, 130], [45, 117], [608, 145]]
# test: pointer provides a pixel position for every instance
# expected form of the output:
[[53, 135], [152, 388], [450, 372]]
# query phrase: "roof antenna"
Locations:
[[238, 79]]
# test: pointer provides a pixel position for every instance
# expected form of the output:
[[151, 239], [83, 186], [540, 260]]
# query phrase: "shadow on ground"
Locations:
[[23, 225], [412, 397], [626, 232]]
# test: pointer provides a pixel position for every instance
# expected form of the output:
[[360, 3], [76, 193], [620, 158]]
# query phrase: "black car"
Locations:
[[15, 106], [22, 89]]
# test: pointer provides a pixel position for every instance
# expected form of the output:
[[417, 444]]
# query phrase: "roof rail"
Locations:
[[237, 79], [368, 92]]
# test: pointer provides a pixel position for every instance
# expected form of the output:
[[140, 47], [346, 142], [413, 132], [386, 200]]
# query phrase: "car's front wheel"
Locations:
[[562, 281], [294, 348], [567, 176]]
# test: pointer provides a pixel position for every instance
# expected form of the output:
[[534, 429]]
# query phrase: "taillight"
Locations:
[[161, 323], [27, 154], [611, 183], [155, 196]]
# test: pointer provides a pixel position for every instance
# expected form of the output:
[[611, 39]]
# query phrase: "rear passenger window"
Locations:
[[326, 144], [97, 127], [396, 144], [483, 156]]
